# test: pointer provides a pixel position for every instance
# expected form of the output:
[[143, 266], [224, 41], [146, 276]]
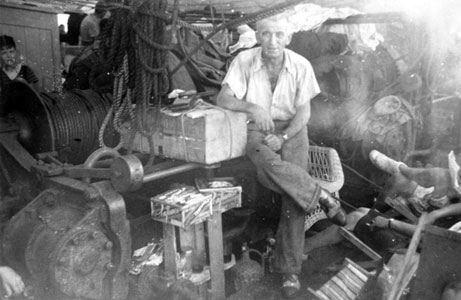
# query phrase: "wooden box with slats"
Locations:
[[182, 207], [347, 284], [204, 135]]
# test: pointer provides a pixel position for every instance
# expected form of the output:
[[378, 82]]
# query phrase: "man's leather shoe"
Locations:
[[290, 286], [332, 208]]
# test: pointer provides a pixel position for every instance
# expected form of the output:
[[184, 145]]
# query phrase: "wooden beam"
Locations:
[[215, 244], [359, 244], [399, 283]]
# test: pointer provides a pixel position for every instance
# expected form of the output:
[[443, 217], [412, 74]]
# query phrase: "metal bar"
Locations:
[[10, 142], [168, 172], [76, 172]]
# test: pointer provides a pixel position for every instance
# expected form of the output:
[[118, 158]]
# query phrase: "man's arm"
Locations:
[[275, 141], [31, 78], [226, 99], [408, 229], [299, 121]]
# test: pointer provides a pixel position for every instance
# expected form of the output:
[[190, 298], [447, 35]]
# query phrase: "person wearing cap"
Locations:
[[12, 68], [274, 86], [89, 28]]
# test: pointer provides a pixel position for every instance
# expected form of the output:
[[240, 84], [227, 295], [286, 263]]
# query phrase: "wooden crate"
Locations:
[[347, 284], [183, 206], [224, 197], [203, 135]]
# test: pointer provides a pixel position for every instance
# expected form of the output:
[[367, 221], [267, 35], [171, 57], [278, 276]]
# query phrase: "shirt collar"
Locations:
[[287, 64]]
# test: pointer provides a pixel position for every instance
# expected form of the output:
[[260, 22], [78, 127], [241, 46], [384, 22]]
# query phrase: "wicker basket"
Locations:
[[325, 167]]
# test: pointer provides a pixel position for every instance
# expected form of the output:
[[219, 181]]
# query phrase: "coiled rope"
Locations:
[[121, 108], [152, 81], [119, 56]]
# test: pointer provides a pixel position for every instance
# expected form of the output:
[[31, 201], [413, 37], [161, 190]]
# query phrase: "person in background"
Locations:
[[12, 68], [62, 34], [11, 282], [274, 86], [73, 27], [88, 70], [89, 28]]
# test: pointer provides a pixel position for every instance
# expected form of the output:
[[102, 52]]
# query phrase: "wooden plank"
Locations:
[[439, 263], [399, 204], [35, 6], [215, 246], [39, 56], [25, 16], [439, 231], [402, 278], [199, 257], [317, 295], [359, 244], [169, 253]]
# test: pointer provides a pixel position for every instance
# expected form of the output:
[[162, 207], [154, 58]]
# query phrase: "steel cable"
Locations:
[[74, 115]]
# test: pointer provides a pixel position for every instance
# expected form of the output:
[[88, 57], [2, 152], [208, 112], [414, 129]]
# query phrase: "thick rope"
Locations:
[[250, 18], [121, 107], [152, 82]]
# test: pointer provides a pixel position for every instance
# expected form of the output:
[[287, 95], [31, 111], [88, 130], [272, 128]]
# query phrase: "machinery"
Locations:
[[73, 239]]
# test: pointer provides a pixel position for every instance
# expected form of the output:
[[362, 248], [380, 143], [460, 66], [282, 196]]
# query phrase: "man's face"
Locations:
[[8, 56], [273, 38]]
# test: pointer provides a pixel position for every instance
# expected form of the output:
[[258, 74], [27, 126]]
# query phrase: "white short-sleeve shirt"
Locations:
[[249, 81]]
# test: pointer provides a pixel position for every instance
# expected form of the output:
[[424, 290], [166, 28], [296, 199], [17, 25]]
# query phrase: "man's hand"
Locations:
[[262, 119], [11, 281], [274, 141]]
